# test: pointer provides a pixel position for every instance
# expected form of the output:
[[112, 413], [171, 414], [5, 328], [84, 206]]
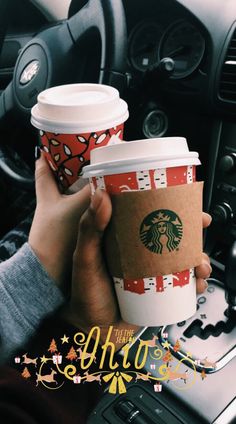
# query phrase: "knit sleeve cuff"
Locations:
[[27, 295]]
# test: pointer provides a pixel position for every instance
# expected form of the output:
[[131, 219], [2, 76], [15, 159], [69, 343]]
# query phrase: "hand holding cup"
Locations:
[[93, 300]]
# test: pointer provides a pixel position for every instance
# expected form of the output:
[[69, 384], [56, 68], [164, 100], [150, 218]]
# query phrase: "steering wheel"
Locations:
[[92, 39]]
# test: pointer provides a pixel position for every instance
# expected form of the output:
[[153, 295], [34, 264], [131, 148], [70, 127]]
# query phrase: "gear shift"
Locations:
[[230, 279]]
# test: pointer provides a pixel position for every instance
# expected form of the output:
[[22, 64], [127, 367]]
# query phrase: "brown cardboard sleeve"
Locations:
[[131, 238]]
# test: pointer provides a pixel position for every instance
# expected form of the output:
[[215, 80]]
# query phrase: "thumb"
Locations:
[[93, 299], [91, 228], [46, 186], [79, 201], [206, 219]]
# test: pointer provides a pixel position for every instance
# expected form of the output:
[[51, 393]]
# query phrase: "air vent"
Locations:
[[227, 88]]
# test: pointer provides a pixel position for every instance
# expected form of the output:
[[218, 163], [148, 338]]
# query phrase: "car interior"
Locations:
[[174, 62]]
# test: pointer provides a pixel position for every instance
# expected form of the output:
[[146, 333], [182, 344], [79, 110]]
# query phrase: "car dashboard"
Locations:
[[192, 95], [198, 36]]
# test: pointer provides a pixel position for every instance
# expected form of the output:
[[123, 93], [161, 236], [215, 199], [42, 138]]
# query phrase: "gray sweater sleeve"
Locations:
[[27, 295]]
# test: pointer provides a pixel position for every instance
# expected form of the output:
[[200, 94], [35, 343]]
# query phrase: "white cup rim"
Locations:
[[131, 165], [79, 108], [69, 128]]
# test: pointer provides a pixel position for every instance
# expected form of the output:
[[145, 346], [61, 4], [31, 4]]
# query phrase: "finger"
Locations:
[[201, 285], [101, 208], [205, 257], [46, 186], [79, 201], [92, 289], [206, 219], [91, 228], [203, 270]]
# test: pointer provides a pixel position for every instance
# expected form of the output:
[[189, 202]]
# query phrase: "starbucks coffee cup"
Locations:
[[74, 119], [155, 237]]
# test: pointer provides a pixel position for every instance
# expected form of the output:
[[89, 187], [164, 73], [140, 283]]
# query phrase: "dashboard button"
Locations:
[[227, 163], [201, 300], [222, 213], [210, 289]]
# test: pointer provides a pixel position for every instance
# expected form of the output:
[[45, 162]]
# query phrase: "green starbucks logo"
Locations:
[[161, 230]]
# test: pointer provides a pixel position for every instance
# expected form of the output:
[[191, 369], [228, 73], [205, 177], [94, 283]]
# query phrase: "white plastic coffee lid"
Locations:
[[76, 108], [154, 153]]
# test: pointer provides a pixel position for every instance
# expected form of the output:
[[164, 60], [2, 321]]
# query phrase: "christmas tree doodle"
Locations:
[[25, 373], [177, 346], [167, 357], [71, 354], [203, 374], [53, 346]]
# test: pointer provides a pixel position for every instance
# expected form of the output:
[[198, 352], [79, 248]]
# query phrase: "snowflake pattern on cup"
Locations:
[[149, 180]]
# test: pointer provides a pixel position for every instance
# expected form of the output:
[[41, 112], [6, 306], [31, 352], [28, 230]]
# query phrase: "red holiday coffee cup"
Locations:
[[74, 119], [155, 197]]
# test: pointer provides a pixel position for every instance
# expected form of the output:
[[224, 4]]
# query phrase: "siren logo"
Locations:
[[161, 231]]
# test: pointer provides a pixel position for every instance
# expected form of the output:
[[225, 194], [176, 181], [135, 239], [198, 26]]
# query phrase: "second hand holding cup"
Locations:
[[155, 237], [74, 119]]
